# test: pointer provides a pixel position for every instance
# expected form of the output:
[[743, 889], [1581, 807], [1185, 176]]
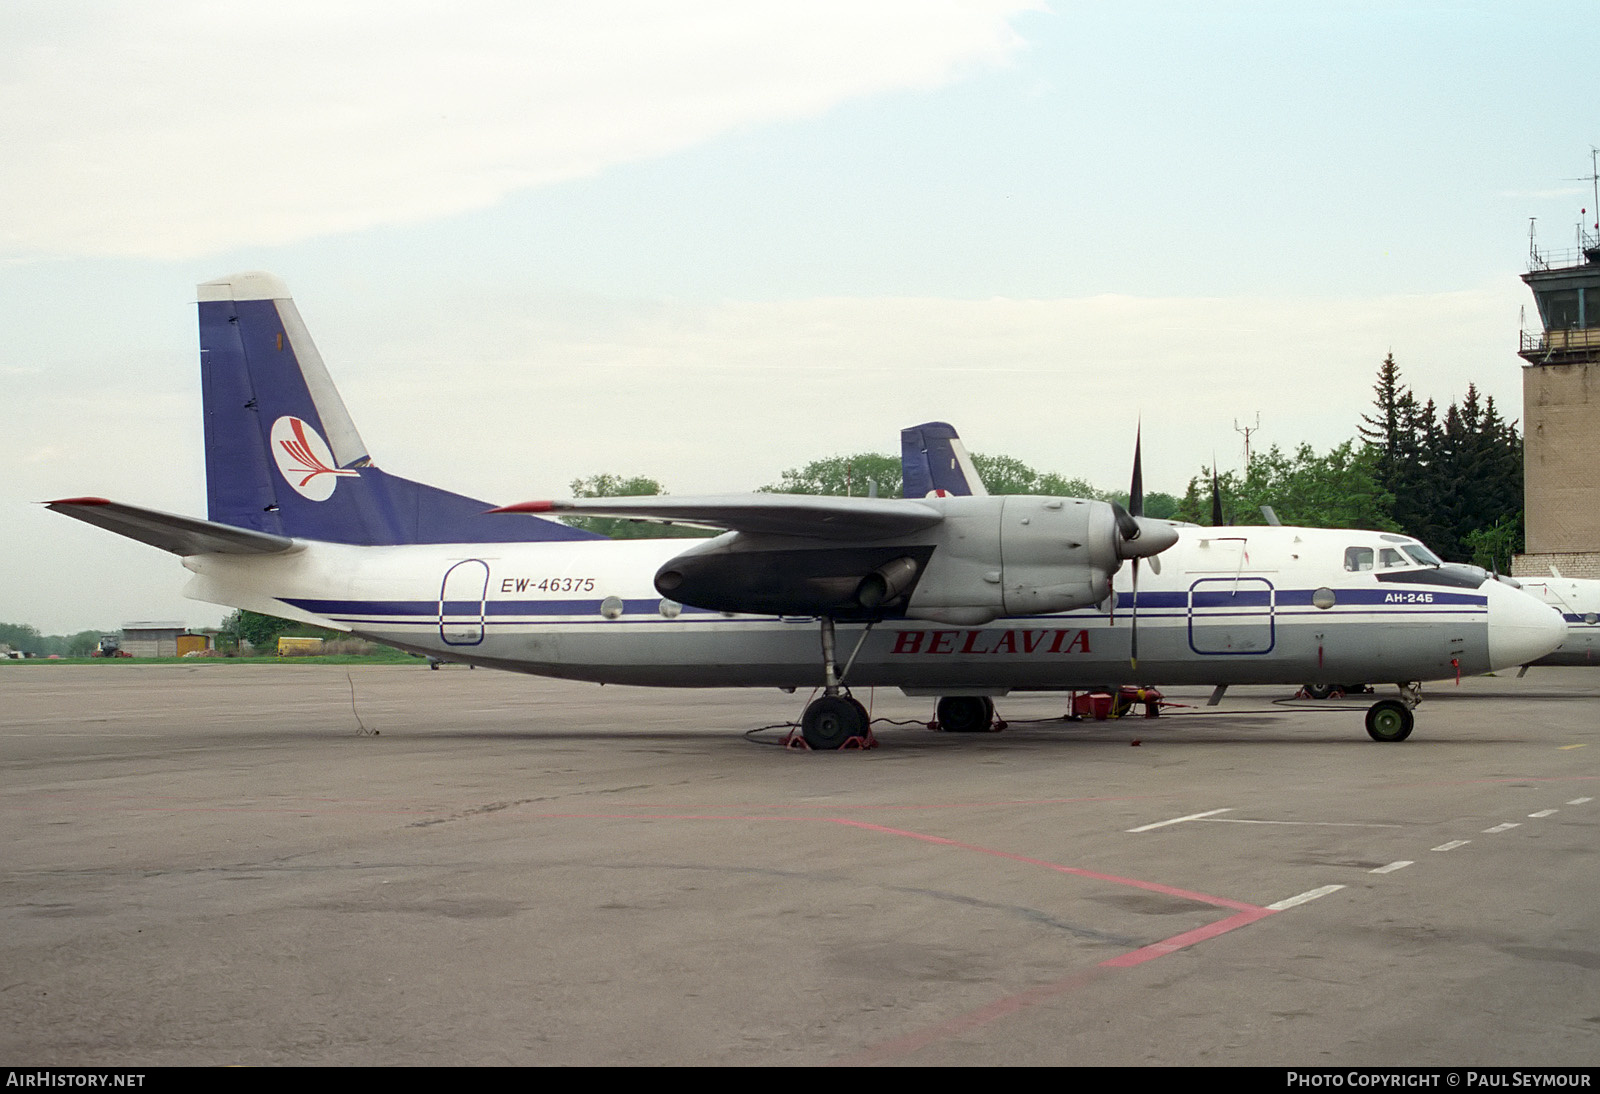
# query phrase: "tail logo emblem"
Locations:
[[304, 459]]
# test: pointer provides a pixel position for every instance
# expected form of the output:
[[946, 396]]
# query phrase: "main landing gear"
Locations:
[[835, 718], [1391, 719], [965, 713], [833, 721]]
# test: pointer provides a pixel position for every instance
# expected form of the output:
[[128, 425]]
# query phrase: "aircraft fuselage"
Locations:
[[1231, 605]]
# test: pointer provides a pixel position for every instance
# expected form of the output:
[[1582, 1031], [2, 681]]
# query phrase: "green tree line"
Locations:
[[1452, 478], [263, 631], [1455, 477], [858, 475], [25, 638]]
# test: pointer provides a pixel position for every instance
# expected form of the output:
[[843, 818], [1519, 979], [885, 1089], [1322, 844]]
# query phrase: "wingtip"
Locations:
[[525, 507], [78, 501]]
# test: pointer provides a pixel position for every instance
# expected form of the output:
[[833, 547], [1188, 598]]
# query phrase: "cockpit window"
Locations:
[[1389, 558], [1358, 558], [1423, 555]]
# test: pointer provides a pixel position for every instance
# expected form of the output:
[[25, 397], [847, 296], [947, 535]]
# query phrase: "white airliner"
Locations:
[[964, 598], [1578, 601]]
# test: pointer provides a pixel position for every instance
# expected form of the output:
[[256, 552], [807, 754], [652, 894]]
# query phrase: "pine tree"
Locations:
[[1466, 499], [1394, 437], [1387, 431]]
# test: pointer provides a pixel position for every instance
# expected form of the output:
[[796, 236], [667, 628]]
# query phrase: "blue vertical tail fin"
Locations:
[[282, 453], [934, 461]]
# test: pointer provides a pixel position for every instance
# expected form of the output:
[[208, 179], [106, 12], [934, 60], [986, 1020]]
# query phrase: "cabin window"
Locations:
[[1358, 558]]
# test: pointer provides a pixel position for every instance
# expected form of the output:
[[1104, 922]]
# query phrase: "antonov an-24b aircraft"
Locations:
[[965, 598]]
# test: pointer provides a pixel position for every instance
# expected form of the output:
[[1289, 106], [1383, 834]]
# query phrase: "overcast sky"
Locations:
[[708, 240]]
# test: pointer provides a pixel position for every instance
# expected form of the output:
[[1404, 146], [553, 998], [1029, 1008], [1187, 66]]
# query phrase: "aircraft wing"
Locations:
[[168, 531], [805, 515]]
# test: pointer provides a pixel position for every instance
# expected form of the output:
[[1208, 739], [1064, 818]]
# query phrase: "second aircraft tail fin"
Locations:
[[934, 461]]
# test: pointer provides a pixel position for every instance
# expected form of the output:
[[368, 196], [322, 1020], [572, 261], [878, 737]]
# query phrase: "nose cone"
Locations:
[[1521, 627]]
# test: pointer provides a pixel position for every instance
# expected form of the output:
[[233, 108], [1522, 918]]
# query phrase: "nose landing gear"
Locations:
[[1391, 719]]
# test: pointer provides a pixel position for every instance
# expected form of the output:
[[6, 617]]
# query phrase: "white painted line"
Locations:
[[1179, 820], [1303, 898], [1506, 827], [1580, 801], [1392, 867], [1452, 845], [1543, 813]]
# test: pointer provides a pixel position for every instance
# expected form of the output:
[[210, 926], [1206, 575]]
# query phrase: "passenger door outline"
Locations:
[[461, 602], [1232, 616]]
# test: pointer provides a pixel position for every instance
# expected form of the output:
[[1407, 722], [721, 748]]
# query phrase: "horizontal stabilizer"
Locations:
[[808, 515], [170, 532]]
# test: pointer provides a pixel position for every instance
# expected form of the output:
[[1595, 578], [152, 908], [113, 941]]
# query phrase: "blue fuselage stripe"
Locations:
[[1288, 604]]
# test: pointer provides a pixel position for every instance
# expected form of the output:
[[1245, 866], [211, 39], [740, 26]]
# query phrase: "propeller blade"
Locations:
[[1136, 491], [1127, 526], [1216, 501], [1133, 636]]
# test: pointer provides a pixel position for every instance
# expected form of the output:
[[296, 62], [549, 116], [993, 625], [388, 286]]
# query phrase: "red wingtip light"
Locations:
[[80, 501], [526, 507]]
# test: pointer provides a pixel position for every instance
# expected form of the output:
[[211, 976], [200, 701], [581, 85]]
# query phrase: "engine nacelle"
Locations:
[[988, 557], [764, 575], [885, 584], [1018, 555]]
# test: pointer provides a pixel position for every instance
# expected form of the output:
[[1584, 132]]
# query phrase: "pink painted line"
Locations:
[[1151, 886], [1244, 914], [1251, 911], [1186, 939], [954, 1027], [1013, 1004]]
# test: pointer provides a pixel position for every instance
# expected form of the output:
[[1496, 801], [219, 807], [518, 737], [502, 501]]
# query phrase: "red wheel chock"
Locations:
[[796, 742]]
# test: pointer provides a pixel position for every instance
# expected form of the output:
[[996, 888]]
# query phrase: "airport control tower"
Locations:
[[1561, 410]]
